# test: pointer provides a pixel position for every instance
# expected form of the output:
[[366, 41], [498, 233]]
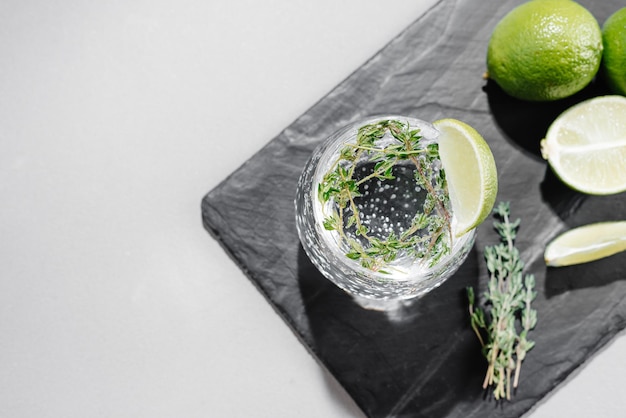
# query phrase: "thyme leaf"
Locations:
[[428, 237]]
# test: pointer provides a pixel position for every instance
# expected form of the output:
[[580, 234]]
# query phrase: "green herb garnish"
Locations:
[[427, 235], [502, 327]]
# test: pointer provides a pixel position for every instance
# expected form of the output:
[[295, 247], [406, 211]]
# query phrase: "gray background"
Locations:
[[115, 119]]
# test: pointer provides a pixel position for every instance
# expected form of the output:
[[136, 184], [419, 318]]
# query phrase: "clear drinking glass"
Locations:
[[385, 206]]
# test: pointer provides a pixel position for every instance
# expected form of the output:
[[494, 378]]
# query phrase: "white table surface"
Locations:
[[116, 118]]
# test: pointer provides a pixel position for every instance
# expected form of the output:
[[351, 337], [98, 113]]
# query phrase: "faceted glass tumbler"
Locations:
[[385, 206]]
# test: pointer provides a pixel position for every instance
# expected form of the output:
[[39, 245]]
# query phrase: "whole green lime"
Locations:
[[614, 56], [545, 50]]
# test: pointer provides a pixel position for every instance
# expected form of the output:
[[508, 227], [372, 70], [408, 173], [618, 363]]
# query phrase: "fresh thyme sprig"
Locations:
[[426, 237], [503, 329]]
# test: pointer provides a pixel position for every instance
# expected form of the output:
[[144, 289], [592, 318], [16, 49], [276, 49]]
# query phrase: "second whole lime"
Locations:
[[545, 50], [614, 56]]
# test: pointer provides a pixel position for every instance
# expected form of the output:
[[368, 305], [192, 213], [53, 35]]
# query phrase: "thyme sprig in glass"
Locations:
[[429, 234], [502, 327]]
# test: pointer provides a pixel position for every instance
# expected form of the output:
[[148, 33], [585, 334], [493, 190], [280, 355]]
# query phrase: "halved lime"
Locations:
[[470, 171], [586, 145], [586, 243]]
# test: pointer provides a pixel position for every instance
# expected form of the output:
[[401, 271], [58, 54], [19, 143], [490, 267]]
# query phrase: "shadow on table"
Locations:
[[525, 123], [589, 275], [563, 200], [421, 358]]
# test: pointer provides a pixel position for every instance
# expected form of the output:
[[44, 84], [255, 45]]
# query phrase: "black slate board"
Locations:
[[423, 360]]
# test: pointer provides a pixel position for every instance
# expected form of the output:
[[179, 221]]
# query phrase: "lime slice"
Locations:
[[471, 173], [586, 243], [586, 146]]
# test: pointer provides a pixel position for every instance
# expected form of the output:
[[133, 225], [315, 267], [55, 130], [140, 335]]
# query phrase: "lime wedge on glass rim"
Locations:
[[470, 172], [586, 243], [586, 146]]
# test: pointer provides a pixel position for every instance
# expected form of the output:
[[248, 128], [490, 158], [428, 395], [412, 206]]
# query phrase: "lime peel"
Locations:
[[586, 243]]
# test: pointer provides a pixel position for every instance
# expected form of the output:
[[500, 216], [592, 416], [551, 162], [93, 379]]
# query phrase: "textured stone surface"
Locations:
[[422, 360]]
